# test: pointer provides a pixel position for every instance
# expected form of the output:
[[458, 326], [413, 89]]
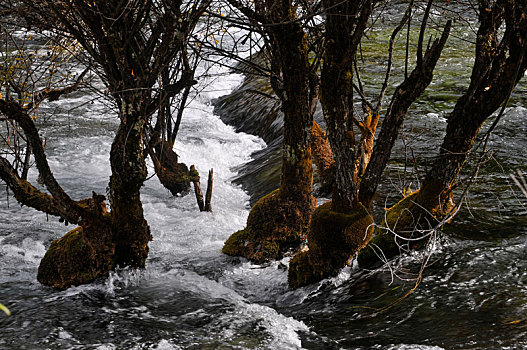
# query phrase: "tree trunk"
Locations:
[[297, 170], [405, 94], [349, 151], [497, 69], [498, 66], [339, 228], [278, 222], [131, 232]]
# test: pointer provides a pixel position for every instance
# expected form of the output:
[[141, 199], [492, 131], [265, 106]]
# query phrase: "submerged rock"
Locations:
[[333, 239], [275, 227]]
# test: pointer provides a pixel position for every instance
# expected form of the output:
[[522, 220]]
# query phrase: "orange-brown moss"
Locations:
[[323, 158], [434, 200], [322, 154], [96, 203], [275, 226], [332, 240], [296, 179]]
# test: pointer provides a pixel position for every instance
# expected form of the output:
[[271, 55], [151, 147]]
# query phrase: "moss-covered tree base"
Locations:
[[274, 228], [79, 257], [332, 240]]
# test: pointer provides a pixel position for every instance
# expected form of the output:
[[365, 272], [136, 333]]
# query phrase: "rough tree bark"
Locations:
[[172, 174], [405, 94], [350, 17], [130, 44], [352, 139], [498, 66], [338, 228], [131, 232], [279, 221], [86, 252]]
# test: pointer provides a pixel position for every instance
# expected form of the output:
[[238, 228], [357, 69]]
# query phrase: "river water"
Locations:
[[473, 294]]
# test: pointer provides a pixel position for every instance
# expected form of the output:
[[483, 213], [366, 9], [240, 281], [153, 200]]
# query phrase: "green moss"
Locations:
[[69, 242], [193, 173], [236, 244], [274, 227], [301, 272], [270, 250], [333, 239], [398, 217], [401, 215], [334, 232], [79, 257], [382, 240], [260, 220]]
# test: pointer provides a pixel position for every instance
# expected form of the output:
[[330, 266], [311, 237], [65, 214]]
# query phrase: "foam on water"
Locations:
[[191, 296], [79, 158]]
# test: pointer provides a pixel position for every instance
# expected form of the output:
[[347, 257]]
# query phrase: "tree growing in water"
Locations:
[[279, 221], [341, 227], [351, 136], [500, 62], [131, 45]]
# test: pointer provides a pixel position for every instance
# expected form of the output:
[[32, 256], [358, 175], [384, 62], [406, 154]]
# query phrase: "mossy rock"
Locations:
[[333, 239], [399, 217], [275, 227], [75, 259]]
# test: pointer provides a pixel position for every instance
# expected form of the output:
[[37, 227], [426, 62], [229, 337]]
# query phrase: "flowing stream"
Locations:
[[472, 296]]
